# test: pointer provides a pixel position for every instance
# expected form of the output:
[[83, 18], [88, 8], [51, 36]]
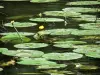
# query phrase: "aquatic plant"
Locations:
[[43, 1]]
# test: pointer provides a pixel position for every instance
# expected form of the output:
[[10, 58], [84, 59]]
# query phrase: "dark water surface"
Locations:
[[31, 10]]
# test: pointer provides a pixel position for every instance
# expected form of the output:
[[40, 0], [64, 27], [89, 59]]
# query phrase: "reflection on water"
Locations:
[[22, 11]]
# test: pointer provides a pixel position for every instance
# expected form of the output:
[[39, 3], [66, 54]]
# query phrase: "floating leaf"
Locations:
[[86, 32], [87, 50], [46, 19], [81, 9], [62, 56], [51, 66], [64, 45], [36, 61], [20, 24], [57, 31], [3, 50], [14, 39], [85, 18], [90, 26], [15, 33], [24, 53], [93, 54], [62, 13], [43, 1], [1, 6], [83, 3], [90, 37], [70, 42], [30, 45], [1, 69]]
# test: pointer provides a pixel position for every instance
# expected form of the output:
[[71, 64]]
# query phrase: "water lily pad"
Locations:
[[15, 33], [57, 31], [30, 45], [90, 37], [20, 24], [64, 45], [86, 32], [1, 69], [3, 49], [87, 46], [62, 13], [85, 50], [46, 19], [51, 66], [70, 42], [81, 9], [62, 56], [43, 1], [23, 53], [90, 26], [85, 18], [14, 39], [36, 61], [93, 54], [83, 3], [1, 6]]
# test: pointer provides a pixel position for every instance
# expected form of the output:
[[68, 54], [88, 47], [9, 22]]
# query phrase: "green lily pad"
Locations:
[[57, 31], [86, 67], [70, 42], [43, 1], [85, 18], [30, 45], [81, 9], [90, 26], [51, 66], [23, 53], [36, 61], [87, 46], [1, 69], [64, 45], [83, 3], [85, 50], [15, 33], [62, 56], [1, 6], [3, 49], [20, 24], [62, 13], [14, 39], [46, 19], [93, 54], [90, 37], [86, 32]]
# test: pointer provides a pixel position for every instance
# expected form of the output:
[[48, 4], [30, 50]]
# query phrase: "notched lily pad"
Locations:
[[30, 45], [51, 66], [14, 39], [15, 33], [62, 56], [62, 13], [70, 42], [90, 26], [46, 19], [36, 61], [3, 49], [43, 1], [24, 53], [20, 24], [86, 32], [90, 37], [93, 54], [1, 6], [81, 9], [83, 3]]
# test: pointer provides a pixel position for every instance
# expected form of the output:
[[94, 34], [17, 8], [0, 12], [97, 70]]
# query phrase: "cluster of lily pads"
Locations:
[[28, 53]]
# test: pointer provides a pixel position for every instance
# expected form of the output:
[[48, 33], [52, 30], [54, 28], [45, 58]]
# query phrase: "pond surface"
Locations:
[[23, 11]]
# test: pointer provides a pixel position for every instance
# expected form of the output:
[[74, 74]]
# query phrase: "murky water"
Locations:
[[26, 10]]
